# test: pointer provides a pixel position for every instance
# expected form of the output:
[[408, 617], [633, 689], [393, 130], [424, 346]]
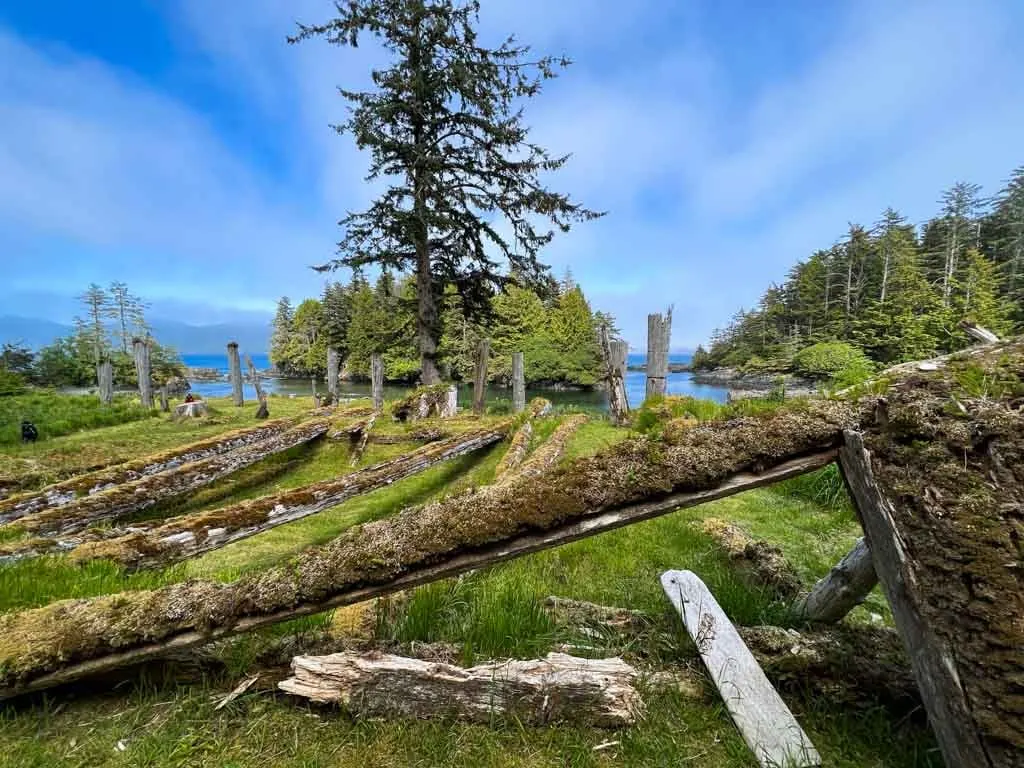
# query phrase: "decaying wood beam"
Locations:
[[137, 495], [190, 535], [933, 659], [843, 589], [520, 444], [557, 688], [659, 332], [66, 491], [360, 447], [760, 714], [546, 455]]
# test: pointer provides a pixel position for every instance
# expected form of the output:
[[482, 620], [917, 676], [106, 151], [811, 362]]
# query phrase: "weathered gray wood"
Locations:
[[517, 450], [193, 410], [364, 437], [377, 381], [518, 383], [450, 407], [165, 406], [457, 563], [142, 371], [333, 365], [105, 378], [843, 589], [263, 411], [978, 333], [558, 688], [548, 454], [148, 491], [235, 373], [483, 353], [760, 714], [615, 354], [934, 662], [659, 331]]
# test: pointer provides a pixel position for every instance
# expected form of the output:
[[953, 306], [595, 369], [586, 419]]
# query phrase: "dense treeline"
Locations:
[[557, 333], [111, 318], [891, 292]]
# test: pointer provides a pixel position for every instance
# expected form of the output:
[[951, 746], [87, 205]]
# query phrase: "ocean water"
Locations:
[[636, 383]]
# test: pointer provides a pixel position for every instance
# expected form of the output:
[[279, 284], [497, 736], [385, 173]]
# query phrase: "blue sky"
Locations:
[[184, 147]]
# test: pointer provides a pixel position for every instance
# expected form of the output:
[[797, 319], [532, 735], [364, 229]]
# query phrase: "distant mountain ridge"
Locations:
[[186, 339]]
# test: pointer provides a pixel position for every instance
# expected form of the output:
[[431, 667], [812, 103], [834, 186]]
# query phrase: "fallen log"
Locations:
[[843, 589], [548, 454], [520, 446], [760, 714], [634, 480], [360, 447], [66, 491], [558, 688], [979, 333], [187, 536], [137, 495]]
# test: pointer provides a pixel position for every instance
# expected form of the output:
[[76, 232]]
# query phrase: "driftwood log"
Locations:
[[137, 495], [187, 536], [843, 589], [66, 491], [760, 714], [558, 688]]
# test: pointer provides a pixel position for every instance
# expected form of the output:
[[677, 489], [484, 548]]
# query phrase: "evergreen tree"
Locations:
[[281, 335], [444, 127], [574, 335], [128, 312], [336, 304], [1009, 239], [96, 304]]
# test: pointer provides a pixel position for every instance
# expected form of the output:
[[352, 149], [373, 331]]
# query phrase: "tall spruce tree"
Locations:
[[444, 128], [96, 303], [281, 335], [128, 312]]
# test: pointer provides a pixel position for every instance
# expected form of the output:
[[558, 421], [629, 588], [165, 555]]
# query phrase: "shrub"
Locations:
[[837, 361]]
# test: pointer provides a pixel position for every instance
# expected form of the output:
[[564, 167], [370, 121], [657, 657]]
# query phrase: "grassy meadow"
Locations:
[[164, 715]]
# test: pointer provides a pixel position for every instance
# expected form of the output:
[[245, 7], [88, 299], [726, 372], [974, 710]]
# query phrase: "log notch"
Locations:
[[760, 714], [659, 333], [66, 491], [558, 688], [615, 354], [142, 370], [377, 381], [105, 377], [190, 535], [68, 640], [263, 412], [518, 383], [483, 353], [146, 492], [844, 588], [333, 370], [235, 374]]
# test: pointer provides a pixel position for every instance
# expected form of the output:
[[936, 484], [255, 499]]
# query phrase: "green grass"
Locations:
[[55, 414]]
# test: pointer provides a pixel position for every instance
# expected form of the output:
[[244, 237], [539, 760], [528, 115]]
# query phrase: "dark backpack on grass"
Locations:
[[29, 433]]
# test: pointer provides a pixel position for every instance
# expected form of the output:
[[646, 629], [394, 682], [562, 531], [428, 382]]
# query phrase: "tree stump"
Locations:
[[615, 354]]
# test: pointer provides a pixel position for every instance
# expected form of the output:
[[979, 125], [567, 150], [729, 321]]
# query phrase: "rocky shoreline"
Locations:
[[742, 385]]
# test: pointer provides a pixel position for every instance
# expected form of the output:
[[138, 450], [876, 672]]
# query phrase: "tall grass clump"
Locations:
[[55, 414]]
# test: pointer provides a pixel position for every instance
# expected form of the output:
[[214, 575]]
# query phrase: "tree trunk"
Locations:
[[659, 330], [426, 317], [843, 589], [518, 383], [377, 379], [558, 688], [333, 365], [105, 376], [235, 374], [760, 714], [135, 496], [142, 371], [885, 274], [483, 351]]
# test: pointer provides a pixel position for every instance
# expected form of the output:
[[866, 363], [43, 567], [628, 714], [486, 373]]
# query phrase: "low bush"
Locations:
[[835, 361]]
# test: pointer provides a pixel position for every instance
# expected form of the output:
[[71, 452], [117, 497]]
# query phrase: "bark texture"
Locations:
[[615, 354], [548, 454], [558, 688], [377, 381], [142, 371], [843, 589], [105, 378]]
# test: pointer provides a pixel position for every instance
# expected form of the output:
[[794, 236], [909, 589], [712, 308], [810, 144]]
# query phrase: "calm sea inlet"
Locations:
[[678, 384]]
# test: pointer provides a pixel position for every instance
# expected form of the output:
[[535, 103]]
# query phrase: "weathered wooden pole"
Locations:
[[615, 353], [164, 405], [142, 370], [105, 377], [333, 364], [377, 381], [842, 590], [483, 351], [263, 411], [518, 383], [235, 373], [659, 332]]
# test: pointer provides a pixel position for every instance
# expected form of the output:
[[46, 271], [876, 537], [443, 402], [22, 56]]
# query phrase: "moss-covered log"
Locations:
[[520, 445], [66, 491], [129, 498], [549, 453], [632, 481], [190, 535]]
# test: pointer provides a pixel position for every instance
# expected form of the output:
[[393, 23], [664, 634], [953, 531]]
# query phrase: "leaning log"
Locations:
[[635, 480], [760, 714], [66, 491], [979, 333], [555, 689], [135, 496], [844, 588], [187, 536]]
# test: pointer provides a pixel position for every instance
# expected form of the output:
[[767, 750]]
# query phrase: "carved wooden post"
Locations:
[[659, 331], [615, 353], [235, 373], [164, 405], [483, 351], [333, 364], [142, 370], [377, 381], [105, 376], [263, 411], [518, 383]]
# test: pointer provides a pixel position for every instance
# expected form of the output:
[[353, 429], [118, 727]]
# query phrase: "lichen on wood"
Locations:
[[762, 563], [424, 402], [548, 453]]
